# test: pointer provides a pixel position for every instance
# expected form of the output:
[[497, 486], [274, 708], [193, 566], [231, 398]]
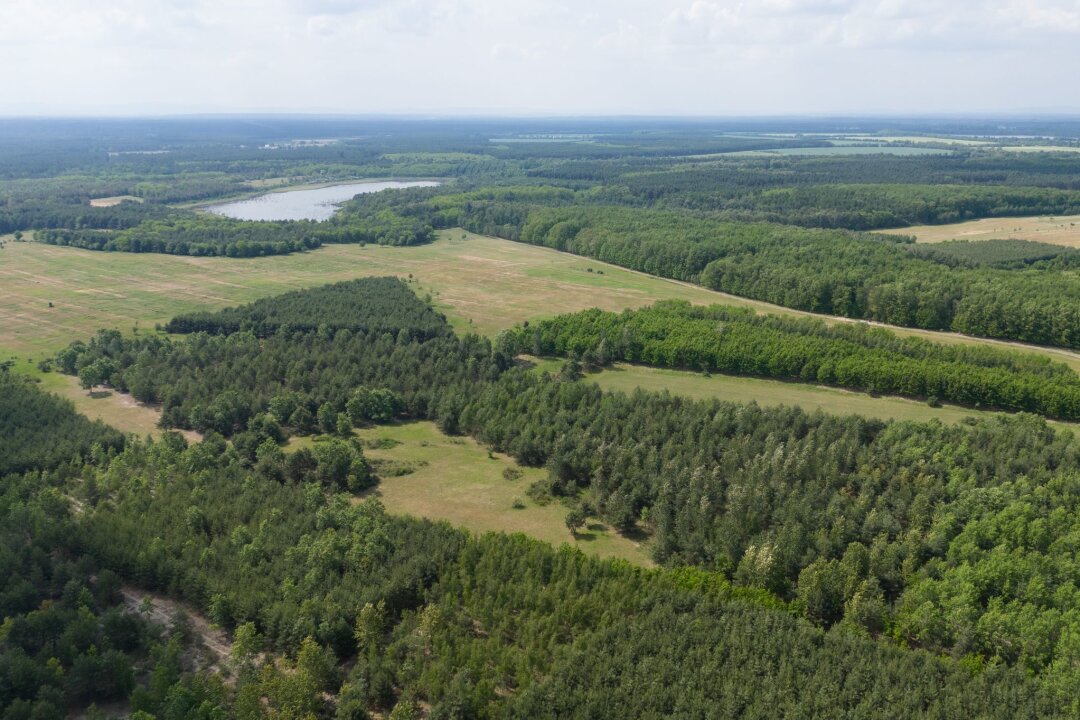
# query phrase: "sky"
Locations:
[[540, 57]]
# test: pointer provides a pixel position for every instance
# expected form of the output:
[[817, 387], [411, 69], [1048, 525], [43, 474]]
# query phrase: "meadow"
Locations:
[[50, 296]]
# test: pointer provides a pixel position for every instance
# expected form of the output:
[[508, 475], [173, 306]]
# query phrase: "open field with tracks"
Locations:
[[1061, 230], [483, 284]]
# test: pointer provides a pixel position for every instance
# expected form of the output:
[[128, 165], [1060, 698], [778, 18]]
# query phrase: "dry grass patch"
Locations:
[[114, 200], [1058, 230], [119, 410]]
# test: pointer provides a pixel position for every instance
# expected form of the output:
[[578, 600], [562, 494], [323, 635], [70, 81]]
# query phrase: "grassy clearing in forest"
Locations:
[[457, 480], [1057, 230], [123, 412], [625, 377]]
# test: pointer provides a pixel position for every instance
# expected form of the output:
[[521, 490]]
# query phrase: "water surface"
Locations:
[[310, 204]]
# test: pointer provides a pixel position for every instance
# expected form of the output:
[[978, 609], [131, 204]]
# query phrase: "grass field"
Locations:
[[767, 393], [1060, 230], [114, 201], [458, 481]]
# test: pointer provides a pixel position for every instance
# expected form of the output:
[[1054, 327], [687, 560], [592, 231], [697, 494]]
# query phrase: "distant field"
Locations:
[[483, 284], [842, 149], [766, 393], [456, 480], [1060, 230]]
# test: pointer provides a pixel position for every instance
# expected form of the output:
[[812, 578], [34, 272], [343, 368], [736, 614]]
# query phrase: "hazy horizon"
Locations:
[[541, 58]]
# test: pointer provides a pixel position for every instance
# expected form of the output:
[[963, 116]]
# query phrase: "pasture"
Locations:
[[1060, 230]]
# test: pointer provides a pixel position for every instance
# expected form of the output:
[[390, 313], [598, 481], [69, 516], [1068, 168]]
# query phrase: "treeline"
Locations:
[[188, 233], [1004, 254], [40, 430], [874, 360], [825, 271], [878, 526], [76, 216], [868, 207]]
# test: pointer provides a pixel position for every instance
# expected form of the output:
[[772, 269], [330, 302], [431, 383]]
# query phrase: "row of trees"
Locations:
[[725, 339], [832, 272]]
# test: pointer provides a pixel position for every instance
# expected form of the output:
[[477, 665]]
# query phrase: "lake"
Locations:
[[308, 204]]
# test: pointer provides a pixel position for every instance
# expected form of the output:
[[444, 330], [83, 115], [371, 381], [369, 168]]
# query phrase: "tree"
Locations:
[[96, 373], [575, 520]]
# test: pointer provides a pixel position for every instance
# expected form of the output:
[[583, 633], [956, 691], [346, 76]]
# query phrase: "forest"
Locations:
[[340, 610], [885, 528], [792, 563]]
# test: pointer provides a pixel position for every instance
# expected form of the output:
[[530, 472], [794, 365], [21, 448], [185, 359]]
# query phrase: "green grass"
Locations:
[[457, 480], [764, 392]]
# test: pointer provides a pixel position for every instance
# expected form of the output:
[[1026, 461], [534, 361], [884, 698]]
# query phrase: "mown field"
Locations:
[[483, 284], [1062, 230], [457, 480]]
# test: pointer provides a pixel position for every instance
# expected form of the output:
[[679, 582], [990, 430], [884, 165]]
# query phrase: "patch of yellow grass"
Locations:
[[1058, 230], [114, 200]]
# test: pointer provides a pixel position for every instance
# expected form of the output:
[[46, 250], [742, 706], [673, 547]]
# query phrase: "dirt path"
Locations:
[[164, 611]]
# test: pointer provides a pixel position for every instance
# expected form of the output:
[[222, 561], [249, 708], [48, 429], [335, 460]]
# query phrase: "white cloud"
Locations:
[[652, 56]]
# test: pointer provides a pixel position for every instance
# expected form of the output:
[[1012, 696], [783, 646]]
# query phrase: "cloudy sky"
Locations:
[[656, 57]]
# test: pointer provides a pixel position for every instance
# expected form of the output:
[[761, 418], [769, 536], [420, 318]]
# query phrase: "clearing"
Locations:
[[768, 393], [1058, 230], [113, 201], [457, 480], [120, 410]]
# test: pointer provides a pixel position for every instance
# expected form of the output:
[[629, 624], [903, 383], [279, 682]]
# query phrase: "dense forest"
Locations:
[[340, 610], [875, 360], [40, 431], [833, 272]]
